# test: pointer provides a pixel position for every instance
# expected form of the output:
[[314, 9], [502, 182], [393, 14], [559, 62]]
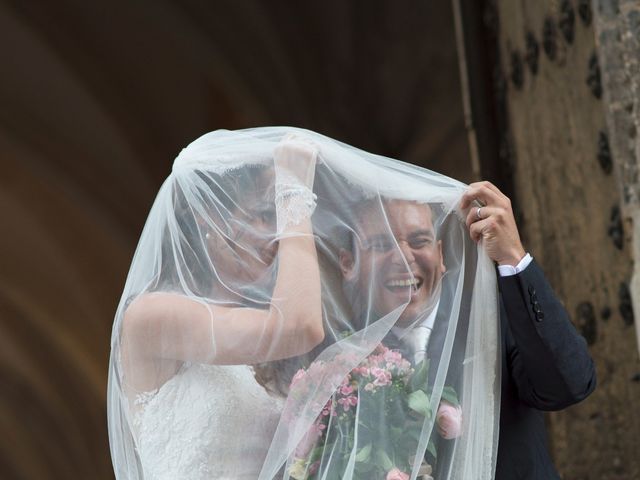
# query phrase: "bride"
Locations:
[[236, 353], [186, 341]]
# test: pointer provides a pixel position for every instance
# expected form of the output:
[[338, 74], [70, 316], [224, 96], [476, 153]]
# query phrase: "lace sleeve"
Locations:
[[294, 201]]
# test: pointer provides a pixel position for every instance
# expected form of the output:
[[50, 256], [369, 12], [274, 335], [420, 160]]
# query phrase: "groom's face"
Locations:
[[395, 259]]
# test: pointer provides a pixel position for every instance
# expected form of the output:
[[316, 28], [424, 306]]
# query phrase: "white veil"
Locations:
[[344, 282]]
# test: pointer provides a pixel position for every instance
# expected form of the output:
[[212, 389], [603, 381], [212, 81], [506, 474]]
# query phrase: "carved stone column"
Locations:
[[618, 38]]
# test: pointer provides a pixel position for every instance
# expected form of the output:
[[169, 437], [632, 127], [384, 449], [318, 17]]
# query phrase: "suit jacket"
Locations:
[[545, 366]]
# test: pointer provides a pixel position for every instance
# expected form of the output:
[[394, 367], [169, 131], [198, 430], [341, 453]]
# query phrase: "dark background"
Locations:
[[97, 99]]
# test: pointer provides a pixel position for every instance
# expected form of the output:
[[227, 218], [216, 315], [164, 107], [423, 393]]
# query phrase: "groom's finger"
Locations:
[[492, 187], [485, 212], [479, 229], [481, 192]]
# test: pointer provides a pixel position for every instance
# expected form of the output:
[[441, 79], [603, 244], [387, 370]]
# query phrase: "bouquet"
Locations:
[[373, 421]]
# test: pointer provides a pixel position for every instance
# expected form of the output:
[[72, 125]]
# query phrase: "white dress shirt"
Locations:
[[417, 339], [508, 270]]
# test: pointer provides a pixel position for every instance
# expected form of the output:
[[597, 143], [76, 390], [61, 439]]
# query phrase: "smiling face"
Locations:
[[243, 247], [398, 266]]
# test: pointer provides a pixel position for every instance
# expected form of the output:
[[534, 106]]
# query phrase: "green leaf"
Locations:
[[413, 429], [317, 452], [383, 460], [396, 432], [419, 402], [404, 445], [420, 376], [364, 454], [364, 467], [431, 448], [450, 395]]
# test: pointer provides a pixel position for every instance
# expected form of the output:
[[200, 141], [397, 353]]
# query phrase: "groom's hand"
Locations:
[[490, 219]]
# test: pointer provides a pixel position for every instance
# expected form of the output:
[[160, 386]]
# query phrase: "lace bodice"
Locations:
[[206, 422]]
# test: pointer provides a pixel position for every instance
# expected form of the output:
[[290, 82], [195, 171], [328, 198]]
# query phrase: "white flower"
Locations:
[[298, 469]]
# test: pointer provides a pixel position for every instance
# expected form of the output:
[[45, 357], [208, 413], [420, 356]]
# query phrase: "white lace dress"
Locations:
[[184, 428]]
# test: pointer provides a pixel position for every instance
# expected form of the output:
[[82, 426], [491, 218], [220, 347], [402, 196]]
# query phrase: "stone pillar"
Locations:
[[618, 38]]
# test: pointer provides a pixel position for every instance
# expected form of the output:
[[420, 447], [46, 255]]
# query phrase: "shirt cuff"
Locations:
[[508, 270]]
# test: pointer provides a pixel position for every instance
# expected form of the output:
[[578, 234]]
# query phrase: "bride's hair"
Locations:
[[221, 195]]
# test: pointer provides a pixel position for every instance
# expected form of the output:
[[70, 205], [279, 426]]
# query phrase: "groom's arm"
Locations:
[[547, 359]]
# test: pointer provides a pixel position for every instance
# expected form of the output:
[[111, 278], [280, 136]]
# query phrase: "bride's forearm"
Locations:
[[295, 315], [296, 295]]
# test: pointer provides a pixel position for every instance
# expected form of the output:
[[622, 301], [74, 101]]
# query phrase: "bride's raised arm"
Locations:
[[173, 327]]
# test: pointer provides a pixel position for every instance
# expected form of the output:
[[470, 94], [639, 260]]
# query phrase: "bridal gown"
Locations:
[[208, 421]]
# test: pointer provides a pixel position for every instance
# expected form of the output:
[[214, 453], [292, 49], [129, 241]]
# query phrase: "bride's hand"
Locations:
[[295, 160]]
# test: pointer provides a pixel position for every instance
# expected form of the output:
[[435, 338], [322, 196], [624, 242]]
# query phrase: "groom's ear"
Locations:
[[347, 264]]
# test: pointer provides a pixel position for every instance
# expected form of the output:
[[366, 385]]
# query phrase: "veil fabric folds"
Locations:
[[299, 308]]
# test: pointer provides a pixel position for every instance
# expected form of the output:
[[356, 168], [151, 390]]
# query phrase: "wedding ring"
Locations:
[[478, 213]]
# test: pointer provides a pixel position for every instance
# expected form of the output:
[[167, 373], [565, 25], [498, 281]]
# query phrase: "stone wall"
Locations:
[[573, 166]]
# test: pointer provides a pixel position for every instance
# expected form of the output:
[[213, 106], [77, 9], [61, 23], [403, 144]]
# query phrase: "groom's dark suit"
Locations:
[[545, 366]]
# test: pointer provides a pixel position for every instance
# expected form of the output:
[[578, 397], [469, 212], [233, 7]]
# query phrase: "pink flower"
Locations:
[[404, 366], [313, 468], [383, 377], [396, 474], [392, 356], [346, 390], [348, 402], [299, 374], [364, 371], [449, 420]]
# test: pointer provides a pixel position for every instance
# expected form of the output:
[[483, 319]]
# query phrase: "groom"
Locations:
[[545, 363]]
